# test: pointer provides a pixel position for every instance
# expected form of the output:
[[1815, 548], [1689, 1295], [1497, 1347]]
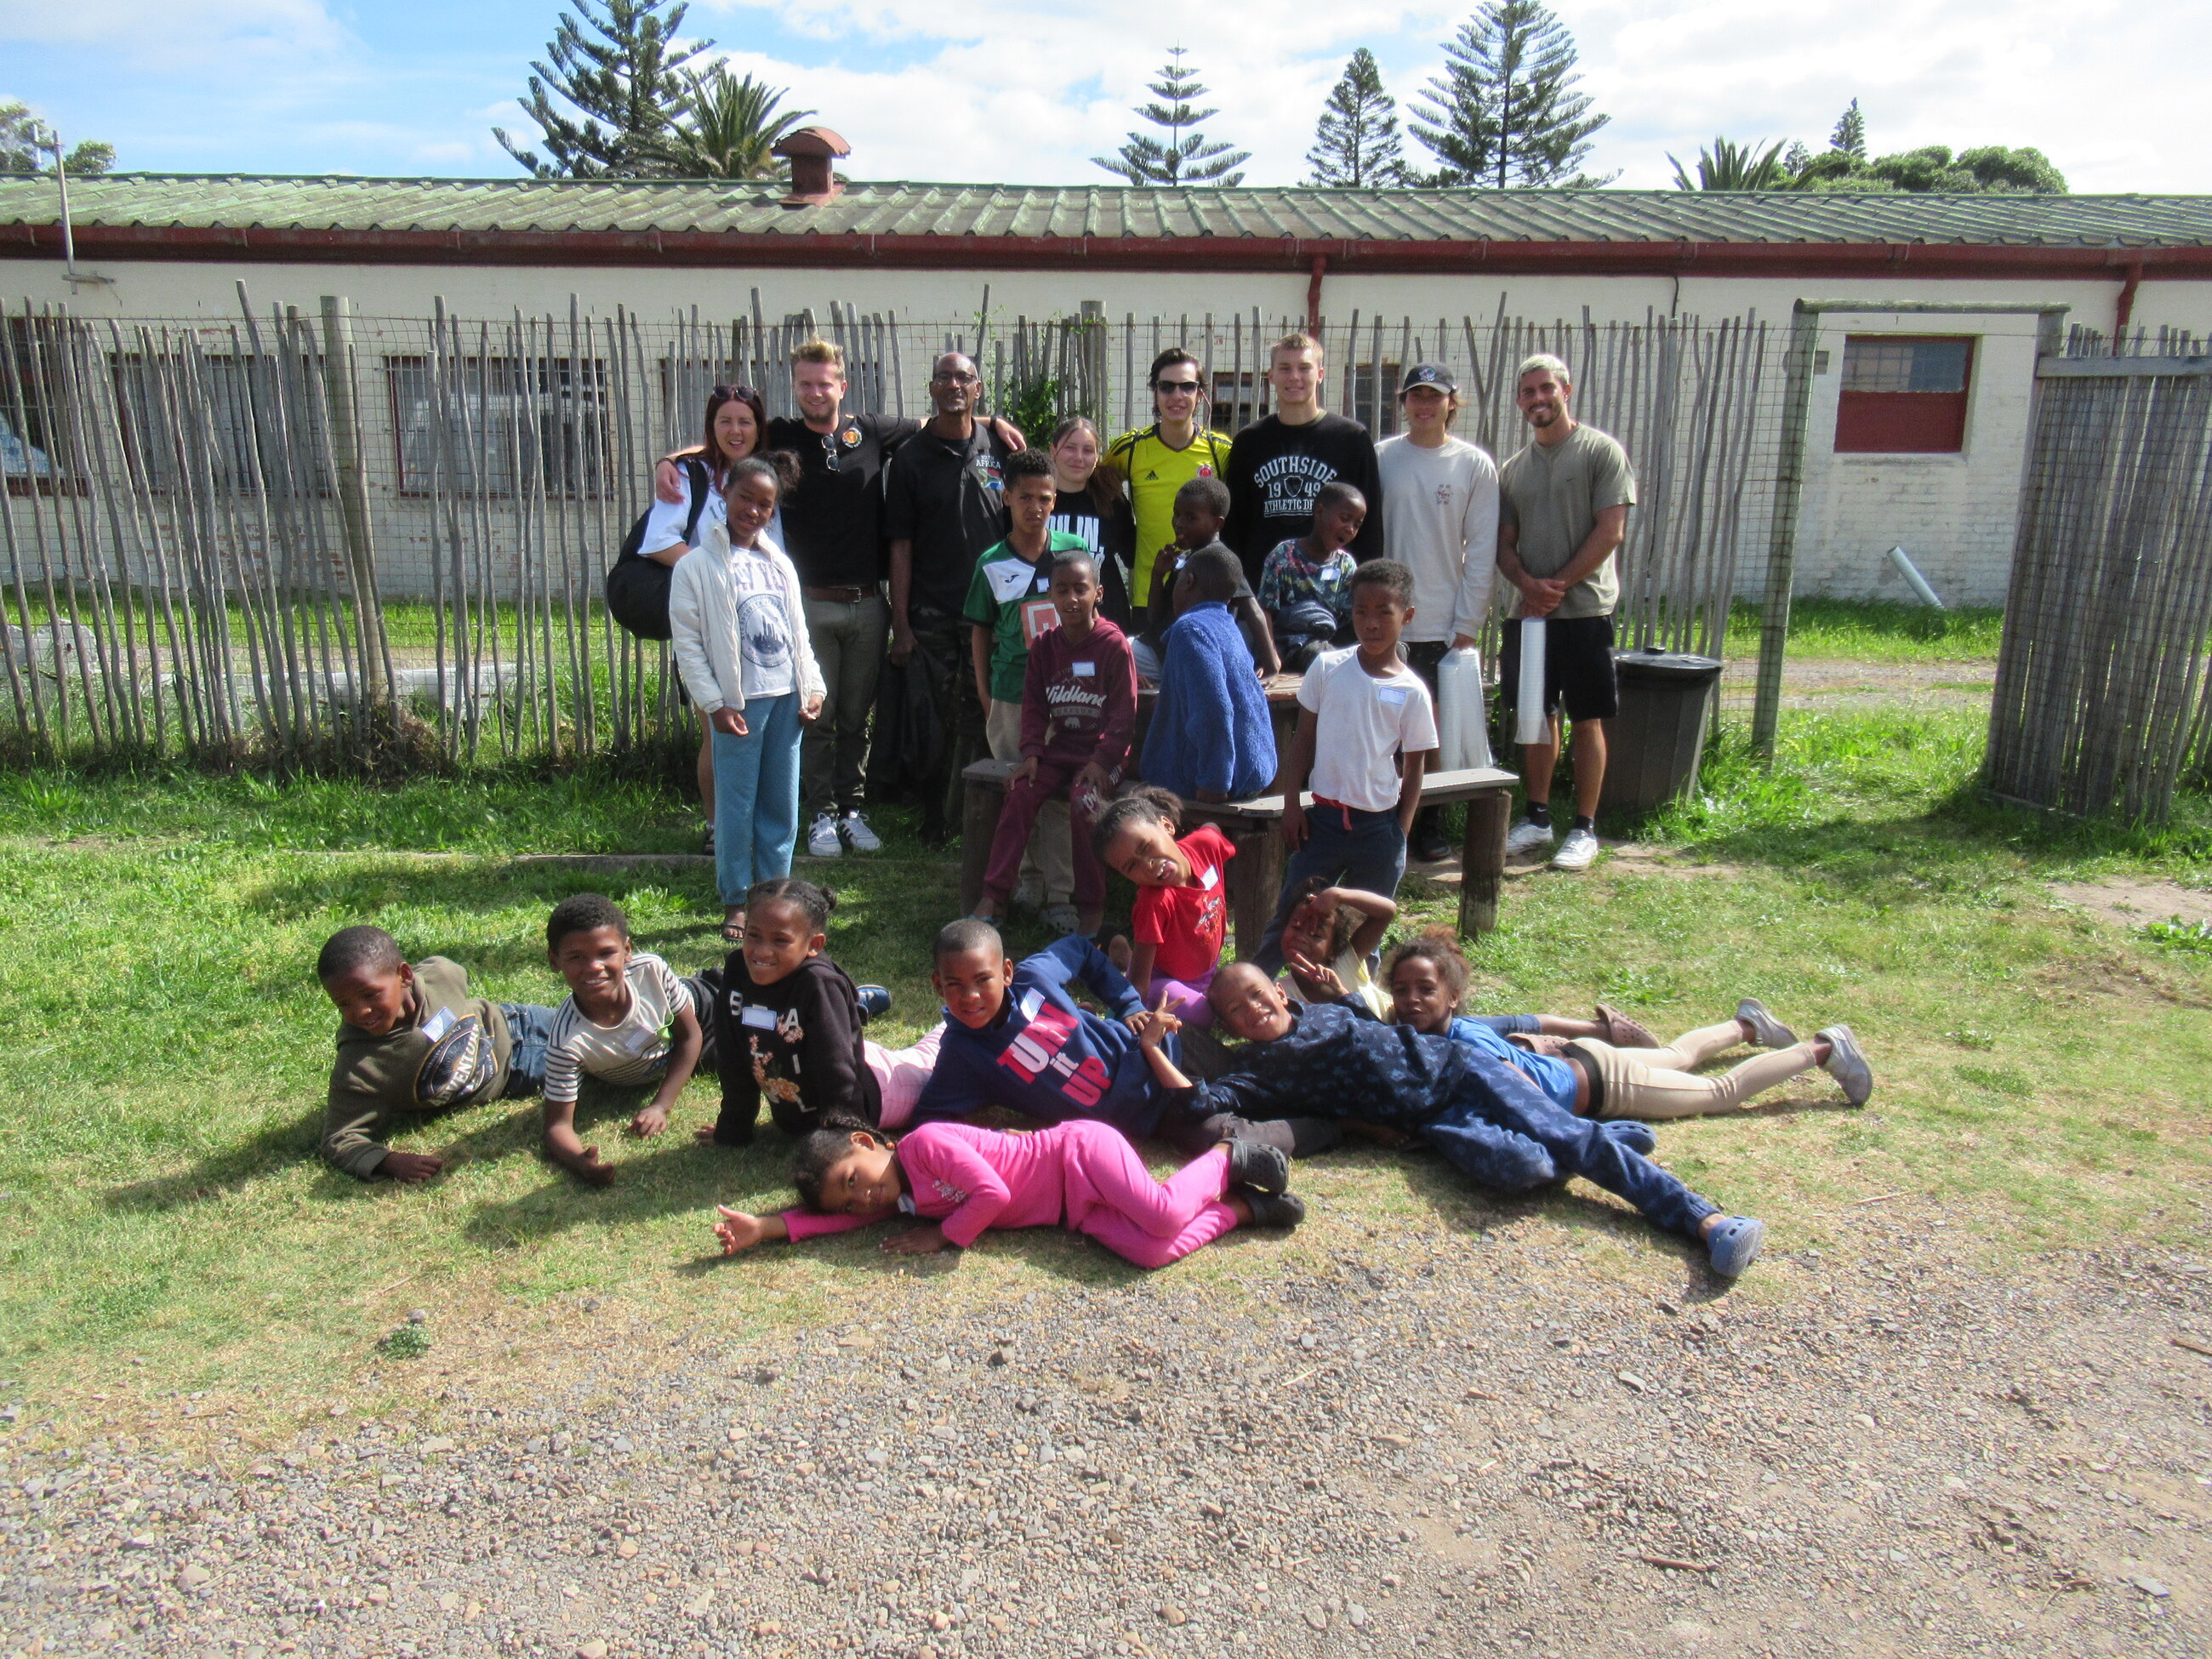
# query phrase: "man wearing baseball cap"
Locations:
[[1440, 519]]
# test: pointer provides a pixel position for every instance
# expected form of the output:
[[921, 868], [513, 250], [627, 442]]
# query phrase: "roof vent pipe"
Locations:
[[813, 153]]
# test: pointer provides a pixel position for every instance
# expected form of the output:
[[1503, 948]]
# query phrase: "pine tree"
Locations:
[[1356, 143], [1145, 161], [1505, 112], [623, 82], [1850, 136]]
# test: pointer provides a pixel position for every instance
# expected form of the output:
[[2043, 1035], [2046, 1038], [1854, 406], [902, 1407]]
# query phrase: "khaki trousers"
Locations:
[[1658, 1083]]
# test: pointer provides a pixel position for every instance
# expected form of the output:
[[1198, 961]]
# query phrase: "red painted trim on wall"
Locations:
[[1838, 261]]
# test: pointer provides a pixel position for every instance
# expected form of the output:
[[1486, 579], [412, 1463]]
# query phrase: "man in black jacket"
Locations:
[[944, 504], [1278, 463]]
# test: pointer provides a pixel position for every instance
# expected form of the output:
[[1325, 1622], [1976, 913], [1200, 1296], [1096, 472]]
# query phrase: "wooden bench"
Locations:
[[1256, 876]]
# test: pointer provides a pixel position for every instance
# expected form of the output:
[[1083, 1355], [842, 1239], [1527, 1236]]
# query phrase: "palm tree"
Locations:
[[1734, 167], [725, 128]]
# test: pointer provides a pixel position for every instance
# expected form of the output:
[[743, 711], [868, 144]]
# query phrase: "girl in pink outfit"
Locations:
[[964, 1181]]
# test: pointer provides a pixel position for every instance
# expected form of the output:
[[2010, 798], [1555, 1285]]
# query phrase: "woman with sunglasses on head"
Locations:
[[1091, 505], [688, 501], [1159, 459]]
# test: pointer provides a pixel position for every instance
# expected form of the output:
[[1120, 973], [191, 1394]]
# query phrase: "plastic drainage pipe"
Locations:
[[1914, 580]]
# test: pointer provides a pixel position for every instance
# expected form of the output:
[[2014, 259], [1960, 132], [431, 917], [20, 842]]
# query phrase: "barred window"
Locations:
[[1903, 394], [204, 422], [499, 424]]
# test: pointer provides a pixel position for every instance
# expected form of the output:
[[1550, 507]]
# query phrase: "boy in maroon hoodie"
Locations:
[[1078, 713]]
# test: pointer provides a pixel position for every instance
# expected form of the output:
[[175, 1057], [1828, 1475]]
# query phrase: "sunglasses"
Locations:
[[1191, 387], [744, 394]]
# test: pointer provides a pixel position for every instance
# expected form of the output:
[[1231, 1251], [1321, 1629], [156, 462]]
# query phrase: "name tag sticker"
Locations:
[[1085, 670], [438, 1025], [1209, 878], [760, 1020], [1031, 1001], [1394, 695]]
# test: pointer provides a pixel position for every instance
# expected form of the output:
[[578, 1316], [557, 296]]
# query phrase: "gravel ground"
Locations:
[[1453, 1442]]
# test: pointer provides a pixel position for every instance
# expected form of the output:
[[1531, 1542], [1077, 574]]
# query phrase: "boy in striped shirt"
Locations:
[[628, 1021]]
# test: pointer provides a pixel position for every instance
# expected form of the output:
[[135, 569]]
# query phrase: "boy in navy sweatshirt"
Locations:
[[1481, 1113], [1015, 1037], [1211, 739]]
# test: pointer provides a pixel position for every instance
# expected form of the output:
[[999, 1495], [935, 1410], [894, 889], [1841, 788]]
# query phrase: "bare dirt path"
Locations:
[[1450, 1440]]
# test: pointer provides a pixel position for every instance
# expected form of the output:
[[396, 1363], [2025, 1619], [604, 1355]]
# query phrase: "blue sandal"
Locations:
[[1734, 1245]]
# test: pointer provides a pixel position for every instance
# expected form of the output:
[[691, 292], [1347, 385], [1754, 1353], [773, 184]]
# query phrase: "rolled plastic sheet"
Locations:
[[1461, 732], [1528, 695]]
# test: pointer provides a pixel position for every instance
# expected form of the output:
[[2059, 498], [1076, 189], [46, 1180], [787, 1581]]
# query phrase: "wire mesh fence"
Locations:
[[2102, 700], [323, 539]]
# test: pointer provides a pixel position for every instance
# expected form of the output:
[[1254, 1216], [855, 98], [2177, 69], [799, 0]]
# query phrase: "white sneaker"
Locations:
[[1577, 852], [1029, 895], [821, 840], [858, 836], [1525, 837]]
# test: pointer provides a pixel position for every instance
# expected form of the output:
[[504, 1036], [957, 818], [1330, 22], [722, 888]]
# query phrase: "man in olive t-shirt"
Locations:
[[1563, 512]]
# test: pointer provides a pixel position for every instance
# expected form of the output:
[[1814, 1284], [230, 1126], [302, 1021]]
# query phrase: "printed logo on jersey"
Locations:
[[1039, 618], [1289, 485], [1041, 1049]]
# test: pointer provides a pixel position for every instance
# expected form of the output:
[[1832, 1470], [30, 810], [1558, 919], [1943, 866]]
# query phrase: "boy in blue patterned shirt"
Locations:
[[1484, 1116], [1305, 586]]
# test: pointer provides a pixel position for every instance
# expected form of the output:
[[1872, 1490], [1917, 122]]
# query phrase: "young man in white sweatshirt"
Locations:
[[1440, 520]]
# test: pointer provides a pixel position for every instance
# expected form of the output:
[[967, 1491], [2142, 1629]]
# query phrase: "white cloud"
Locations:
[[1001, 90], [167, 30]]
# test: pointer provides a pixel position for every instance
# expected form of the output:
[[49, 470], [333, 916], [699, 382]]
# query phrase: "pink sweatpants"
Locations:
[[900, 1074], [1112, 1196], [1186, 998]]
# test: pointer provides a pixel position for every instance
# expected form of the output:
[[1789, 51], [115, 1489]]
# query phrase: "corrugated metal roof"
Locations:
[[153, 200]]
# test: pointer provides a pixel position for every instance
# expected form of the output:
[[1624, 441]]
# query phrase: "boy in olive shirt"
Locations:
[[414, 1040]]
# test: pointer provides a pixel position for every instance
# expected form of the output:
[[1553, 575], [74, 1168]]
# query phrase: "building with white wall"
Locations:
[[1899, 455]]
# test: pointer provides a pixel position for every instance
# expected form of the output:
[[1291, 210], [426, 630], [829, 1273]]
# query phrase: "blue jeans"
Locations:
[[756, 797], [1499, 1127], [530, 1028], [1370, 854]]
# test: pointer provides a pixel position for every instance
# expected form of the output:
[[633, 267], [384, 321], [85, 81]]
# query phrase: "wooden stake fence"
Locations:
[[310, 538]]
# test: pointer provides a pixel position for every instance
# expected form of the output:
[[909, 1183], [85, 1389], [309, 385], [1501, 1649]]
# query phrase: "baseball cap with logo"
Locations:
[[1435, 374]]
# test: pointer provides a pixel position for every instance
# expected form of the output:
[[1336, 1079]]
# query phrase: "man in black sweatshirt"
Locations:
[[1278, 463]]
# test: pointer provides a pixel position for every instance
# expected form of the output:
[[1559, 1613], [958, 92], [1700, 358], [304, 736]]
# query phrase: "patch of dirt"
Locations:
[[2130, 902], [1826, 683], [1455, 1439]]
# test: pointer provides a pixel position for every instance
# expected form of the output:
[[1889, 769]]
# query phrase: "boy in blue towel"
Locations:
[[1211, 739]]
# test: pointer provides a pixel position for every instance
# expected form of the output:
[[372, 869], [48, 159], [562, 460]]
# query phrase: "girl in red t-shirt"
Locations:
[[1182, 900]]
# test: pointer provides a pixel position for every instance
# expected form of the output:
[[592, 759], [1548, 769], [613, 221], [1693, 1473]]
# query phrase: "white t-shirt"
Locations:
[[763, 623], [664, 520], [1440, 520], [634, 1050], [1361, 724]]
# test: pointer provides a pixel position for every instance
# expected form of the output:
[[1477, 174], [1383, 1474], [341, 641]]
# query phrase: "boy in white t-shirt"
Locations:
[[1440, 521], [1367, 729]]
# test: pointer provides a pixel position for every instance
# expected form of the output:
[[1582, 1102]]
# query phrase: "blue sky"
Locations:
[[1025, 91]]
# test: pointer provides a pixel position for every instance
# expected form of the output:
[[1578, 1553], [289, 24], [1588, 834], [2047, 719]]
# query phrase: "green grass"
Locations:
[[163, 1049], [1874, 631]]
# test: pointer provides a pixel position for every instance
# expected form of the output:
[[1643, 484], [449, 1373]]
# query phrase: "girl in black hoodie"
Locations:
[[793, 1022]]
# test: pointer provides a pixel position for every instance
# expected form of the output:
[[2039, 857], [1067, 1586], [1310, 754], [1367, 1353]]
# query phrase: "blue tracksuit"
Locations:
[[1479, 1111], [1046, 1057], [1210, 728]]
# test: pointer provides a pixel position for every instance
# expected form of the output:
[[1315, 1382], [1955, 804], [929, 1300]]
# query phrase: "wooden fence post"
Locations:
[[1782, 547], [340, 392]]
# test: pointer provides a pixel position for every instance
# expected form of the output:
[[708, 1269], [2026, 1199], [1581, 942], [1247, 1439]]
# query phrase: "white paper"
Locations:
[[1529, 695], [1463, 734]]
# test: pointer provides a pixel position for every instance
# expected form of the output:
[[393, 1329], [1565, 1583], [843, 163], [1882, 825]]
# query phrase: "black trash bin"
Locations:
[[1653, 745]]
